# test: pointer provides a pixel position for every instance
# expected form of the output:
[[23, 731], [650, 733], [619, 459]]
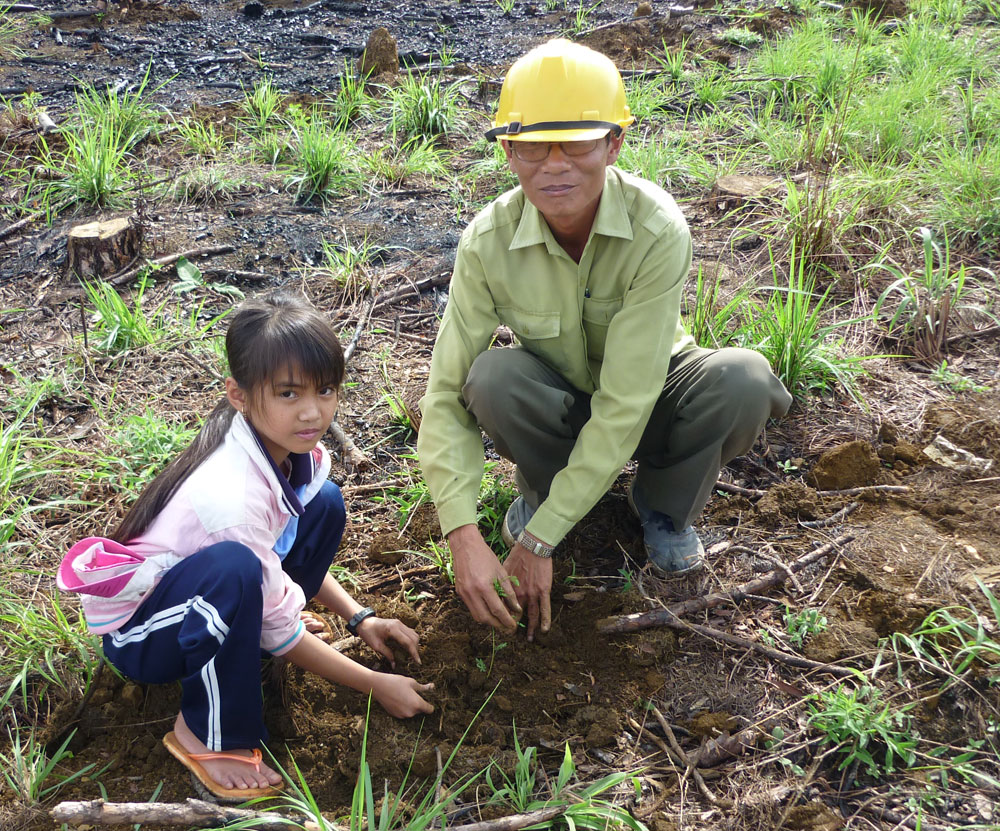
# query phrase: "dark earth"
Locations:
[[913, 551]]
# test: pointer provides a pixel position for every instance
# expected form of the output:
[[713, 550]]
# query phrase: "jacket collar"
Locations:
[[303, 466], [612, 219]]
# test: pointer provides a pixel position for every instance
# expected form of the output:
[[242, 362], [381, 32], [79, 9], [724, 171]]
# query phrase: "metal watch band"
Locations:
[[360, 615], [539, 549]]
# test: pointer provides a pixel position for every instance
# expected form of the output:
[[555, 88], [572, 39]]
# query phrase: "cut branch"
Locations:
[[192, 813], [663, 617], [414, 290], [170, 259]]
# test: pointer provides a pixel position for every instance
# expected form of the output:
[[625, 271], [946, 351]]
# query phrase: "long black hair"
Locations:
[[266, 335]]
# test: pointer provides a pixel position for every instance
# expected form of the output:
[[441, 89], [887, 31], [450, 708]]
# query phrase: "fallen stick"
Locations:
[[201, 814], [662, 617], [726, 487], [719, 802], [988, 332], [866, 489], [833, 519], [355, 458], [193, 812], [767, 651], [416, 289], [170, 259]]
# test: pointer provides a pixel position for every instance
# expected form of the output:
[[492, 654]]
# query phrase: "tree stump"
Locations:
[[100, 249]]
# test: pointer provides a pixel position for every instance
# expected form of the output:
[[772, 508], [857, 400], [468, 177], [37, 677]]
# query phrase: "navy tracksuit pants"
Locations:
[[201, 625]]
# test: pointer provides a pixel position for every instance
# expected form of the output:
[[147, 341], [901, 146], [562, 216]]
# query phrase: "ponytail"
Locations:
[[156, 495]]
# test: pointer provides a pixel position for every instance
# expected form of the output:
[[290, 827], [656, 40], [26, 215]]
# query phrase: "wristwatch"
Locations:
[[360, 615], [536, 547]]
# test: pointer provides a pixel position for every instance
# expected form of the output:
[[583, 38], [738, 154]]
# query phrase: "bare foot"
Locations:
[[228, 773], [315, 624]]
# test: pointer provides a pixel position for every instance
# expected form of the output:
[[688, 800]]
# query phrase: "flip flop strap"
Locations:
[[254, 759]]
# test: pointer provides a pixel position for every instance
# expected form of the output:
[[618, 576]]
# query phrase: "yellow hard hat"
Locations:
[[561, 91]]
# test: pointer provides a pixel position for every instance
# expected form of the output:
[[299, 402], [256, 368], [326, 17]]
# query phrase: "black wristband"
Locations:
[[355, 621]]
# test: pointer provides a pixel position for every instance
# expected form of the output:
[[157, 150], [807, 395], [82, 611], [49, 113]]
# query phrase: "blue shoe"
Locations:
[[518, 515], [672, 552]]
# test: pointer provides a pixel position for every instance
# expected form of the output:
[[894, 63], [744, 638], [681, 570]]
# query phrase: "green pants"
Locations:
[[713, 406]]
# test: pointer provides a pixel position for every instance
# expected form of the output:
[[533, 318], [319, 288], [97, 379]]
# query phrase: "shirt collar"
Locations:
[[612, 218]]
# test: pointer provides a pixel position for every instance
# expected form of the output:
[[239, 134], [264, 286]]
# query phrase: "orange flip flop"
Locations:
[[191, 762]]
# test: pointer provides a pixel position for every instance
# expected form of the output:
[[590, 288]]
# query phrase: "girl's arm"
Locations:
[[374, 631], [399, 694]]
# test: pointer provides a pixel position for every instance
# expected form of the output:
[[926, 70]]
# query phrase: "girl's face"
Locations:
[[290, 413]]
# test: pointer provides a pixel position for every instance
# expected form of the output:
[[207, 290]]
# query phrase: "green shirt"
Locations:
[[609, 325]]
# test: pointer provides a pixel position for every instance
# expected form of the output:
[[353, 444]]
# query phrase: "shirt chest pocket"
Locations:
[[597, 316], [530, 326]]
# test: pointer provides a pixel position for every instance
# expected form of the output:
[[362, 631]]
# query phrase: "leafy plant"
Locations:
[[803, 624], [672, 63], [94, 163], [495, 496], [189, 278], [148, 443], [201, 136], [581, 17], [742, 37], [862, 727], [416, 156], [506, 6], [945, 376]]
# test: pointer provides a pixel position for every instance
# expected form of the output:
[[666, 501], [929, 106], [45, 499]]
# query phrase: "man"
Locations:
[[585, 264]]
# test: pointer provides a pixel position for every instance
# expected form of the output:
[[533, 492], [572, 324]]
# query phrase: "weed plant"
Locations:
[[120, 327], [96, 164], [788, 329], [260, 106], [129, 114], [585, 808], [495, 496], [323, 163], [346, 264], [865, 730], [672, 159], [201, 137], [422, 106], [921, 304], [417, 156], [28, 770], [954, 642], [351, 101], [209, 184], [712, 323]]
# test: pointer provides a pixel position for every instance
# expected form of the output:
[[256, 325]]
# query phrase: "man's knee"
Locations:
[[745, 376], [492, 375]]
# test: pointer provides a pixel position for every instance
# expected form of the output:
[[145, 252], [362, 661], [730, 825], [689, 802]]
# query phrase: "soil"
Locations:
[[912, 551]]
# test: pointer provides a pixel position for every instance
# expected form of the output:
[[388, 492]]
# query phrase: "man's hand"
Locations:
[[478, 573], [532, 586], [378, 631]]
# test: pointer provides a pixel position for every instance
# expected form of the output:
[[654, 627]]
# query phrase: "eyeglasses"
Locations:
[[536, 151]]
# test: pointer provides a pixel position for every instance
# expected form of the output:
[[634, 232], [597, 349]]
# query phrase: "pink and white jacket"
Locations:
[[237, 495]]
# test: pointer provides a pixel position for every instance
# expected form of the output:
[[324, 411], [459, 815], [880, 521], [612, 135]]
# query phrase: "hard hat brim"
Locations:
[[559, 135]]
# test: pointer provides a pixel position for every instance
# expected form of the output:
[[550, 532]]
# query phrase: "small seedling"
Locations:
[[803, 624]]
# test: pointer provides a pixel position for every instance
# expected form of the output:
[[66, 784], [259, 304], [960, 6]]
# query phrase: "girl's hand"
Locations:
[[378, 631], [400, 695]]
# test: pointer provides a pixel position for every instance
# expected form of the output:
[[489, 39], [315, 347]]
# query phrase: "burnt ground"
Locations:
[[912, 551]]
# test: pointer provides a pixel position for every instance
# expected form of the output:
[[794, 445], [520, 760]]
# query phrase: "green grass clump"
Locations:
[[422, 106], [323, 158], [789, 330], [120, 326], [147, 443]]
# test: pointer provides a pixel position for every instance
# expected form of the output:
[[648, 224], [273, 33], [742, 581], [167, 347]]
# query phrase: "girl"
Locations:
[[217, 557]]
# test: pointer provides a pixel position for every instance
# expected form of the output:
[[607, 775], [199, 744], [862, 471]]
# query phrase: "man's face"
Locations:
[[565, 187]]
